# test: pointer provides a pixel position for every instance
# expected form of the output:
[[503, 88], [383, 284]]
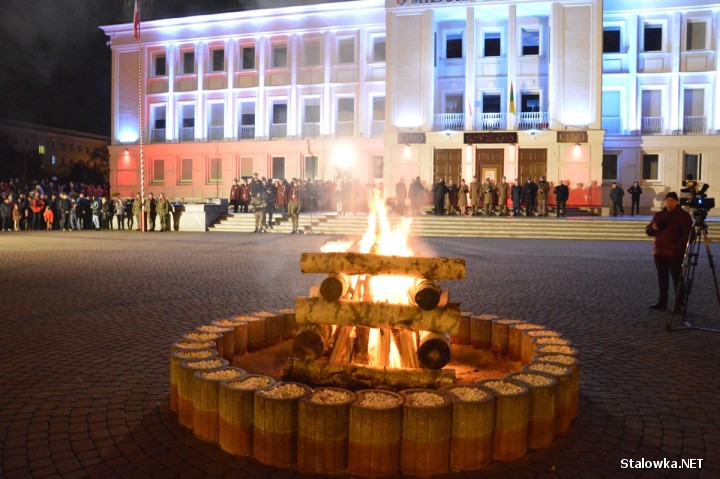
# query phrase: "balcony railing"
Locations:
[[694, 125], [246, 132], [345, 128], [612, 124], [187, 133], [278, 130], [377, 128], [533, 120], [216, 133], [311, 130], [449, 121], [158, 135], [490, 121], [651, 125]]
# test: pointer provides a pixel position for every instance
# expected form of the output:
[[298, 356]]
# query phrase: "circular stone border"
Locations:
[[482, 332]]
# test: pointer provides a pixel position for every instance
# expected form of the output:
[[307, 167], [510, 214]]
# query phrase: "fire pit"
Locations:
[[471, 387]]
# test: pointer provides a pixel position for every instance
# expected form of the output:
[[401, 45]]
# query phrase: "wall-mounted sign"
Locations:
[[572, 137], [402, 3], [492, 137], [409, 137]]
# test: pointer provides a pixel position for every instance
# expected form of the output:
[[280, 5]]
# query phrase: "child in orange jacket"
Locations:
[[49, 217]]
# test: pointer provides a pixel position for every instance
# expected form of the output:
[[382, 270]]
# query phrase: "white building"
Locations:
[[382, 89]]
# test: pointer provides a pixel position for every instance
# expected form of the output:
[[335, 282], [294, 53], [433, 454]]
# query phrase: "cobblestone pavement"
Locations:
[[87, 319]]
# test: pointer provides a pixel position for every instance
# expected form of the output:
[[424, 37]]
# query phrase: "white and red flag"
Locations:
[[136, 22]]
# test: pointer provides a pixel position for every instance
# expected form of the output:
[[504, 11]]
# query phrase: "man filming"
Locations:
[[670, 228]]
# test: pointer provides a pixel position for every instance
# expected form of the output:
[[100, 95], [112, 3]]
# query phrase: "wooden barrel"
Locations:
[[205, 336], [323, 430], [239, 334], [275, 423], [274, 326], [463, 335], [427, 428], [376, 422], [256, 332], [186, 384], [499, 334], [566, 360], [481, 330], [205, 400], [527, 347], [236, 406], [289, 320], [176, 357], [472, 427], [188, 344], [541, 415], [563, 397], [515, 335], [228, 339], [512, 405]]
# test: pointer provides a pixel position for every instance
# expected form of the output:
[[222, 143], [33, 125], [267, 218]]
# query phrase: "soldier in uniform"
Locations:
[[163, 209], [529, 194], [502, 191], [451, 202], [542, 190], [462, 197], [516, 196], [151, 211], [258, 205], [488, 188], [137, 211], [475, 188], [294, 212]]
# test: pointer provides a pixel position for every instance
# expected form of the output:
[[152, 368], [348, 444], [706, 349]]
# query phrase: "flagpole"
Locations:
[[136, 32]]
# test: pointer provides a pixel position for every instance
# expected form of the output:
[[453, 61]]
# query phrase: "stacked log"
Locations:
[[176, 357], [541, 415], [515, 335], [434, 350], [481, 330], [427, 294], [334, 287], [571, 361], [512, 404], [564, 395], [236, 406], [374, 264], [527, 346], [499, 335], [228, 339], [275, 423], [217, 338], [186, 385], [312, 341], [427, 426], [376, 423], [239, 333], [323, 430], [205, 400], [472, 427], [288, 315], [274, 327]]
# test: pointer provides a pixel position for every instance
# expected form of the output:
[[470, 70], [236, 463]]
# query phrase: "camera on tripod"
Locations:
[[698, 200]]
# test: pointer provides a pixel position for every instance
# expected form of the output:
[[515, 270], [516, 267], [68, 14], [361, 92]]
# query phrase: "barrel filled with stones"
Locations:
[[236, 406], [472, 427]]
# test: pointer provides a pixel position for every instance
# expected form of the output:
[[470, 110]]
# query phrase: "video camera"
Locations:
[[698, 199]]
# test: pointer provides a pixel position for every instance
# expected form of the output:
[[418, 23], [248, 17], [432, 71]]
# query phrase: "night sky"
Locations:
[[55, 66]]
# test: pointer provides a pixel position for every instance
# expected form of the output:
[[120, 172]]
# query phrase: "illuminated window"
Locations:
[[378, 108], [278, 167], [246, 167], [491, 44], [186, 170], [248, 58], [215, 173], [279, 113], [378, 50], [611, 40], [695, 35], [652, 37], [159, 65], [609, 166], [311, 54], [311, 167], [346, 109], [188, 63], [454, 46], [279, 55], [692, 166], [454, 103], [41, 149], [650, 166], [218, 60], [53, 160], [491, 103], [346, 50], [158, 171], [530, 41]]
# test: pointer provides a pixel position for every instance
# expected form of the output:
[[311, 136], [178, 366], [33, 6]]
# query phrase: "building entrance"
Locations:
[[448, 165], [532, 162], [489, 164]]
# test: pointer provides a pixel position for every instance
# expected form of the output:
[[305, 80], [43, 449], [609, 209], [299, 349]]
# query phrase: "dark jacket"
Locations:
[[529, 192], [616, 194], [516, 194], [561, 192], [673, 233], [635, 191]]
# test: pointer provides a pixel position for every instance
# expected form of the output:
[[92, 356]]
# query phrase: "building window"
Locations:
[[160, 65], [278, 167], [216, 128], [530, 42], [378, 108], [279, 113], [215, 173], [311, 167], [41, 149], [346, 50], [378, 166], [218, 60], [454, 103], [695, 35], [692, 166], [378, 54], [611, 40], [188, 63], [279, 55], [650, 167], [454, 46], [652, 37], [530, 103], [248, 58], [246, 167], [53, 160], [491, 44], [158, 172], [609, 166], [186, 170], [311, 54], [491, 103]]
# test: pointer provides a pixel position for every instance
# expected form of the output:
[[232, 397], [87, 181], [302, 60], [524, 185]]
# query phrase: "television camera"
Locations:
[[697, 200]]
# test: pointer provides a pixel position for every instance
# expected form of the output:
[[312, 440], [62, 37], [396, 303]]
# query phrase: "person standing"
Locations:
[[516, 196], [235, 195], [6, 213], [542, 190], [451, 202], [462, 197], [49, 217], [37, 207], [487, 190], [475, 189], [64, 206], [258, 206], [670, 229], [439, 191], [417, 196], [562, 193], [529, 194], [163, 208], [96, 212], [151, 211], [120, 212], [503, 188], [401, 194], [294, 212], [270, 198], [137, 211], [616, 197], [244, 196], [635, 191]]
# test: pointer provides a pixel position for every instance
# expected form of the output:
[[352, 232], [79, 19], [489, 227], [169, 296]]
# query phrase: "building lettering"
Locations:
[[572, 137], [411, 138], [499, 137]]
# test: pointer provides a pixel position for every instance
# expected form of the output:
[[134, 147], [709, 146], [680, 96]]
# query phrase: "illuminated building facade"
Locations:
[[586, 92]]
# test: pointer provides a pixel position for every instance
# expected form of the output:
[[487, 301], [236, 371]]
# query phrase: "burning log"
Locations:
[[407, 347], [362, 340], [427, 425], [342, 343], [384, 342], [434, 350], [236, 411], [352, 376], [374, 264], [334, 287], [311, 341], [427, 294], [376, 315]]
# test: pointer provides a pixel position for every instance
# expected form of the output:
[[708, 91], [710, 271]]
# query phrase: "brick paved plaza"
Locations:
[[88, 318]]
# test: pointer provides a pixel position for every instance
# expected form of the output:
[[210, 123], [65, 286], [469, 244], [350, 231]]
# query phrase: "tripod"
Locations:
[[698, 234]]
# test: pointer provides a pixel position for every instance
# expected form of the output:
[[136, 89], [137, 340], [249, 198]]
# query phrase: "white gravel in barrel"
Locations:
[[378, 400], [209, 364], [508, 321], [504, 388], [425, 399], [284, 391], [560, 358], [524, 326], [556, 341], [222, 374], [556, 349], [469, 394], [193, 354], [534, 379], [195, 344], [330, 396], [200, 335], [543, 333], [251, 383], [549, 368]]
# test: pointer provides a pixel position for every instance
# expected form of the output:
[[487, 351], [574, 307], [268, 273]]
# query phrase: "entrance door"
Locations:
[[533, 162], [489, 164], [448, 165]]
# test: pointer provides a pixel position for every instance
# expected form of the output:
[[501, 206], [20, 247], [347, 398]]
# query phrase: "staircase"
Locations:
[[626, 228]]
